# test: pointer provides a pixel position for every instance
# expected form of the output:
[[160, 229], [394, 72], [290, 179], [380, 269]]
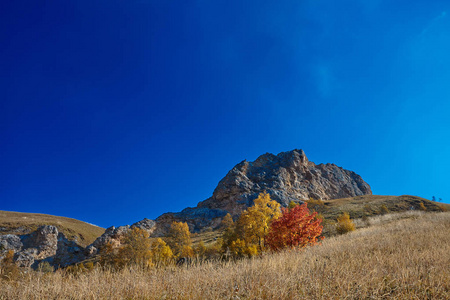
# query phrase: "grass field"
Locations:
[[23, 223], [398, 256]]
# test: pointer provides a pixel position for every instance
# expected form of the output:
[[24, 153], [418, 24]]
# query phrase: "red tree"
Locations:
[[296, 228]]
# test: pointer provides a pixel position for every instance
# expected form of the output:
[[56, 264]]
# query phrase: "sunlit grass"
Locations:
[[405, 257]]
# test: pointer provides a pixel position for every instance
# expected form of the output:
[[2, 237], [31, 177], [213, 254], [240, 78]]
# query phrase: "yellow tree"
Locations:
[[253, 224], [137, 248], [227, 221], [180, 239], [161, 252]]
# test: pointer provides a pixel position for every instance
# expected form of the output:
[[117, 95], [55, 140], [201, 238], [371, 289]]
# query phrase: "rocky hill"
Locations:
[[288, 176], [19, 223], [48, 244]]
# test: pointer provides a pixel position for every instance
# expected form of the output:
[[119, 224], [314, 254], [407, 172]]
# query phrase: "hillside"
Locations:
[[361, 207], [371, 205], [405, 258], [24, 223], [357, 207]]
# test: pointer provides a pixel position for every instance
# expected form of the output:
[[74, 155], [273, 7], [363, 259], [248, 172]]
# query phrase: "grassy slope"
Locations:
[[404, 258], [357, 207], [370, 205], [22, 223]]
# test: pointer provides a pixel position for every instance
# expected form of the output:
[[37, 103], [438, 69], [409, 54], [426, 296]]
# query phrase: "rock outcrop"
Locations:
[[114, 235], [47, 244], [28, 248], [288, 176], [44, 240]]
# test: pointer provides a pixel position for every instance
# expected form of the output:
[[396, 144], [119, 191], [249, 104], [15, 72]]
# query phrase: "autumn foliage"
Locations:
[[246, 236], [180, 239], [344, 224], [296, 228]]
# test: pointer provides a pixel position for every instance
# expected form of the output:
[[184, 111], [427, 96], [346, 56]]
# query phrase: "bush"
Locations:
[[384, 210], [316, 204], [422, 206], [344, 224], [45, 267], [296, 228], [8, 269]]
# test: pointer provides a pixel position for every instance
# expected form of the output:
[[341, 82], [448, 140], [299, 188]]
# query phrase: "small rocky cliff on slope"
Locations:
[[50, 245], [288, 176]]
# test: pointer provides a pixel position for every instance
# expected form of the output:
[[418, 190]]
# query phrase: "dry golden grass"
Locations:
[[405, 258], [371, 205], [22, 223]]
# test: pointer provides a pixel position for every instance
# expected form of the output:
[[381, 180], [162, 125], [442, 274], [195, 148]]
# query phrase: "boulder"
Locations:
[[10, 242]]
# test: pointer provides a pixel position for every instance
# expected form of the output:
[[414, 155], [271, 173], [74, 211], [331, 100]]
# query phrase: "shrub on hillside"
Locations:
[[296, 228], [422, 206], [344, 224], [316, 205], [384, 210], [8, 269], [45, 267]]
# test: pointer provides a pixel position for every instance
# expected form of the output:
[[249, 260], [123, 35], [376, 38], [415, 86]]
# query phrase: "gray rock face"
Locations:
[[114, 235], [44, 239], [46, 243], [196, 218], [10, 242], [67, 253], [288, 176], [26, 258], [146, 224]]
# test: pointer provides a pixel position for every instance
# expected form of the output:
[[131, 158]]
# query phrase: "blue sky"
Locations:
[[113, 111]]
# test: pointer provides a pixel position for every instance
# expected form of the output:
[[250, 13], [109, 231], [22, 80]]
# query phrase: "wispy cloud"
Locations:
[[434, 22]]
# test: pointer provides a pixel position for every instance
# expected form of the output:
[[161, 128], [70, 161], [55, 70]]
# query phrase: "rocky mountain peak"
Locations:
[[287, 176]]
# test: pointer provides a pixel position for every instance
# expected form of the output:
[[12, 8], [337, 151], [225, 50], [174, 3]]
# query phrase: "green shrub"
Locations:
[[45, 267]]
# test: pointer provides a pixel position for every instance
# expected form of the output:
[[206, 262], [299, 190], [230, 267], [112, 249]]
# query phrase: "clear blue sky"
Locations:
[[113, 111]]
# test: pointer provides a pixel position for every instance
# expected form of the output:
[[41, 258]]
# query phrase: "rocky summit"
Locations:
[[288, 176]]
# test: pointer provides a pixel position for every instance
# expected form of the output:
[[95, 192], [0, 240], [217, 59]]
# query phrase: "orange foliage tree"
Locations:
[[296, 228]]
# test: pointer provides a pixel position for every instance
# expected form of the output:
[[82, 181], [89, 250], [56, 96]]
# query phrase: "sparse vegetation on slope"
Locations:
[[362, 207], [400, 256], [24, 223]]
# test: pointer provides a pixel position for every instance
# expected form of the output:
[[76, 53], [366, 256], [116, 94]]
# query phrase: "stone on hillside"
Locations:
[[25, 259], [10, 242], [146, 224], [44, 239]]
